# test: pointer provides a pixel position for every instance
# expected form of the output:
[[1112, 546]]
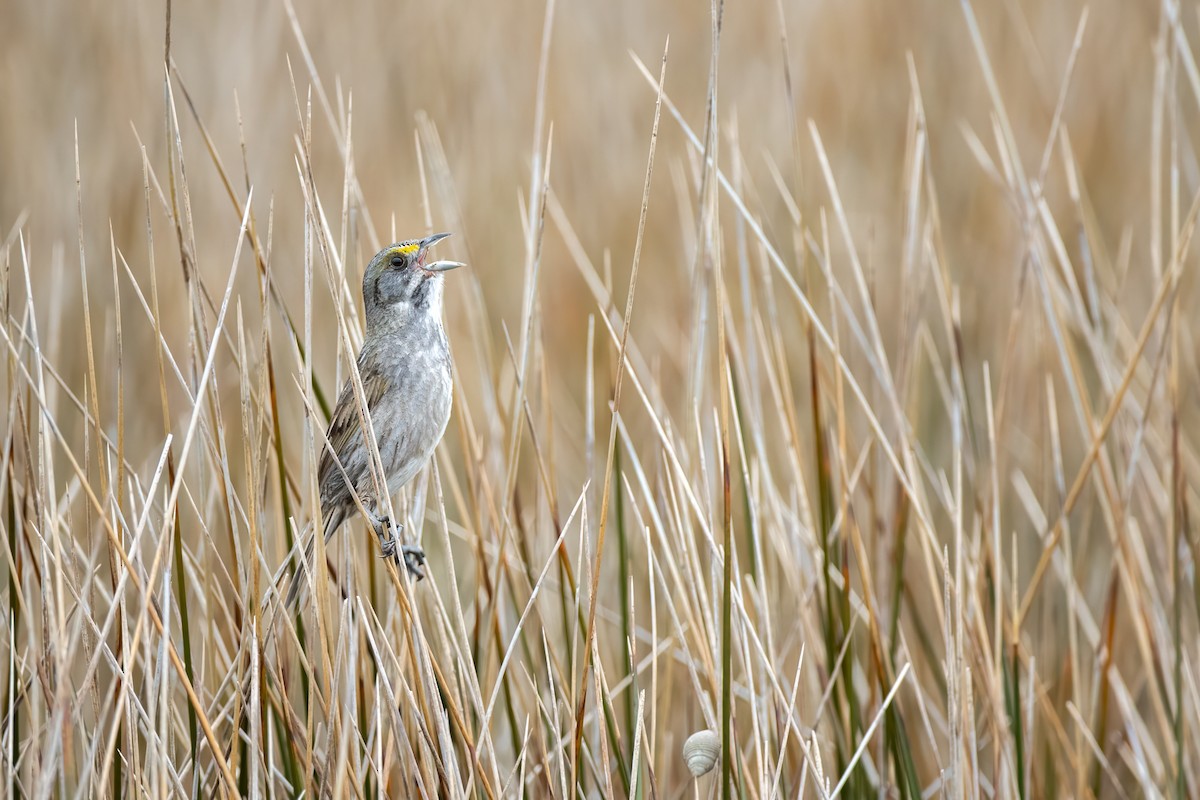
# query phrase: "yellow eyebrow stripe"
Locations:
[[406, 249]]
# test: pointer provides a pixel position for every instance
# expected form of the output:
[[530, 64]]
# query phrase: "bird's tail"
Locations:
[[300, 578]]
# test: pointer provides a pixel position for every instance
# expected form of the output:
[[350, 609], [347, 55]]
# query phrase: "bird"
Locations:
[[407, 391]]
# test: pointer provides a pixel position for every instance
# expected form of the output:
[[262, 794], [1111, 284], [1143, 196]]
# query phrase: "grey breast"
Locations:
[[410, 419]]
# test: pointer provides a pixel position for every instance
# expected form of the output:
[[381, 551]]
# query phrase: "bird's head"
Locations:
[[400, 275]]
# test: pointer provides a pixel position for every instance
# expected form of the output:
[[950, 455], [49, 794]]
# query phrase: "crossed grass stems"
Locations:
[[871, 607]]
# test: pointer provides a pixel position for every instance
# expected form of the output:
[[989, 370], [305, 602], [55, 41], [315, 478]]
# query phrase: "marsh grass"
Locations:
[[892, 521]]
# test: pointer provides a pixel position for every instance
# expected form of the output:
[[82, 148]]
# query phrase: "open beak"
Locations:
[[438, 266], [430, 241]]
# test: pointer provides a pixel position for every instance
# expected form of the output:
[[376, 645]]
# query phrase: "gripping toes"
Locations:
[[412, 555], [414, 560], [382, 526], [388, 545]]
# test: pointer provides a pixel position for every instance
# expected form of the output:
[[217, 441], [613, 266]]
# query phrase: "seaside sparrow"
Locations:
[[404, 364]]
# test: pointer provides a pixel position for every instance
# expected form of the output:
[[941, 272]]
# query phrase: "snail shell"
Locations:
[[700, 751]]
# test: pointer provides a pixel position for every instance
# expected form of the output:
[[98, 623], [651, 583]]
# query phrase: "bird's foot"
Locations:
[[411, 555], [414, 560], [382, 525]]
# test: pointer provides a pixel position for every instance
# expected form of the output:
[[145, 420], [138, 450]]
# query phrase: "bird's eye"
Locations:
[[397, 261]]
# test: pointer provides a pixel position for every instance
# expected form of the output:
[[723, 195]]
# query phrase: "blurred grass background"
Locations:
[[474, 72], [1120, 176]]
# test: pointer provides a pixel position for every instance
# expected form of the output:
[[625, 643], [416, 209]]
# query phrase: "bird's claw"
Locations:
[[414, 560], [412, 556], [388, 545]]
